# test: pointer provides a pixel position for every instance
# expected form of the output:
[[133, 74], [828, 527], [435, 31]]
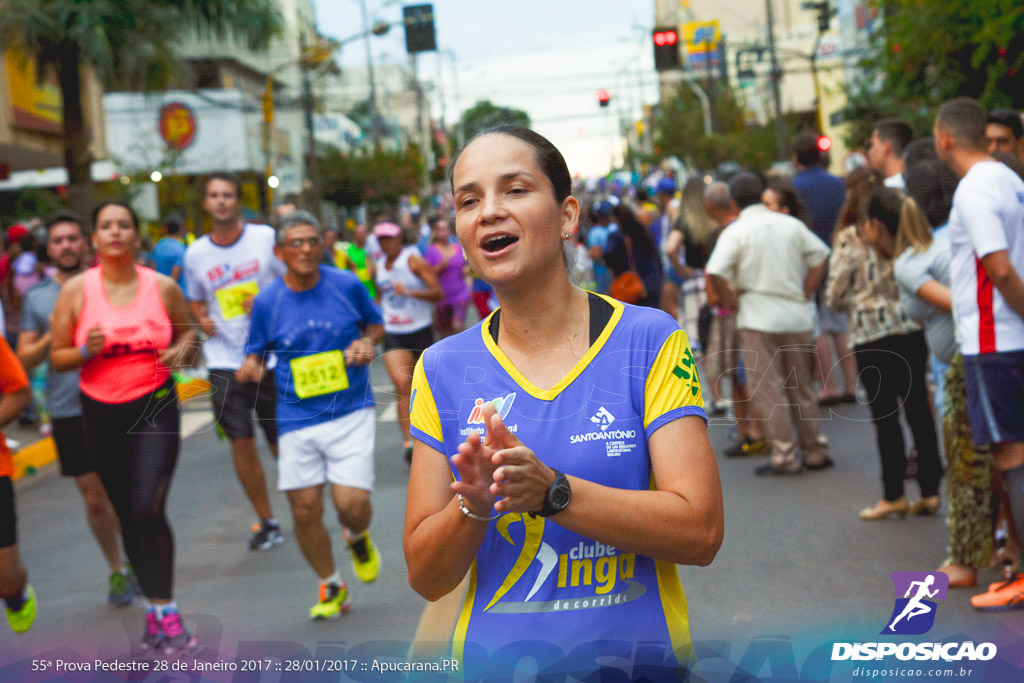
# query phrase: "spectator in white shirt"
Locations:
[[986, 233], [774, 263]]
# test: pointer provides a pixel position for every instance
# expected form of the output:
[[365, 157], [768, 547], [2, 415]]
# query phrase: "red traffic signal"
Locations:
[[824, 143], [667, 37], [603, 96], [666, 48]]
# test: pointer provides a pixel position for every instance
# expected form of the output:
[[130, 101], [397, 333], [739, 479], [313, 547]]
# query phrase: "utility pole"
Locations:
[[268, 142], [374, 115], [825, 12], [313, 192], [709, 71], [425, 136], [460, 131], [440, 90], [776, 78]]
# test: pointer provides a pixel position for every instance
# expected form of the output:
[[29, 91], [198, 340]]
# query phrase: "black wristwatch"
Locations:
[[558, 496]]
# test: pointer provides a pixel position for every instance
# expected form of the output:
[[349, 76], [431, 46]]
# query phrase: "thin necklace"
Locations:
[[583, 321]]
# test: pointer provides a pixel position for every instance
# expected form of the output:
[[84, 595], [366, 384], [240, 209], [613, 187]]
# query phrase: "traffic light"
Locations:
[[825, 12], [824, 143], [666, 48], [603, 97], [419, 28]]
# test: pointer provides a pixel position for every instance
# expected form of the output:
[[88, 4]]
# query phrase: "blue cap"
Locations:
[[666, 186], [602, 208]]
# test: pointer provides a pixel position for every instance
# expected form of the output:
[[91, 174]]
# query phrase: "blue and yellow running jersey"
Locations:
[[537, 590]]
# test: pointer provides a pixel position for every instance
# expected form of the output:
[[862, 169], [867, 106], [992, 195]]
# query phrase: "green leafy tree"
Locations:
[[128, 43], [378, 177], [928, 51], [679, 131], [484, 114]]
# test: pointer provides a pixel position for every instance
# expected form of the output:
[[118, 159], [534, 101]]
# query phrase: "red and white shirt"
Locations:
[[987, 216]]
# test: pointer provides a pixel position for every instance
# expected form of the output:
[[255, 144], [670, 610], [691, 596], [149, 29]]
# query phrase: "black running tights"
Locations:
[[136, 449]]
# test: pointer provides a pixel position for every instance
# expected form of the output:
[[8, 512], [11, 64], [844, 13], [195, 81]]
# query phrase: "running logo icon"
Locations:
[[914, 611], [603, 418]]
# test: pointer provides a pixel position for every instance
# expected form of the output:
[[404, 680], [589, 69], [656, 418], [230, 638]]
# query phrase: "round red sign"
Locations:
[[177, 125]]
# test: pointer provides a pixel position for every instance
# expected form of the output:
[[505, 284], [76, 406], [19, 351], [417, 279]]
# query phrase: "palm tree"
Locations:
[[128, 43]]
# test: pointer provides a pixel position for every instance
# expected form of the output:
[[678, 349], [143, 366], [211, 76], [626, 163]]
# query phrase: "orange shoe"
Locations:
[[1005, 595]]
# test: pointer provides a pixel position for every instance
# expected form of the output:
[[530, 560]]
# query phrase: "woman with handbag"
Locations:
[[633, 258]]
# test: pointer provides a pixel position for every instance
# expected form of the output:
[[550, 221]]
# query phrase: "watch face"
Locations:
[[560, 497]]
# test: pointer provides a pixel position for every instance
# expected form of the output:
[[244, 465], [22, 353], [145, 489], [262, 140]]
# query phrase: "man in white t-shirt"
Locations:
[[885, 149], [986, 234], [774, 263], [223, 272]]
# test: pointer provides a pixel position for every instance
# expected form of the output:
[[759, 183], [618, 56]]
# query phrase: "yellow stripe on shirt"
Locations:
[[673, 381], [673, 603], [423, 413], [462, 626]]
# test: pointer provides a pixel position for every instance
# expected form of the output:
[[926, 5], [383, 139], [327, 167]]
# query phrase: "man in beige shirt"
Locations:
[[774, 263]]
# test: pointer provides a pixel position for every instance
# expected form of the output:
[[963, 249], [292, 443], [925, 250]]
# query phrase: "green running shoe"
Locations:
[[333, 602], [365, 558], [21, 620], [121, 594]]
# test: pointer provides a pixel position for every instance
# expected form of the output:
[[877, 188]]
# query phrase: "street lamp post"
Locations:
[[460, 131]]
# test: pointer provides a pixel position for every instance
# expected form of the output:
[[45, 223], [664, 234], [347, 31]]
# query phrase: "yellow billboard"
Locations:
[[701, 36], [36, 101]]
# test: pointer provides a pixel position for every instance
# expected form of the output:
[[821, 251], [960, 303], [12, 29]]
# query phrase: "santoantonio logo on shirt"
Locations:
[[615, 439], [587, 564], [914, 613]]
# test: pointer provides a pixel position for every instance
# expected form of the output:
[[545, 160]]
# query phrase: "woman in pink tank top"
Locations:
[[125, 328]]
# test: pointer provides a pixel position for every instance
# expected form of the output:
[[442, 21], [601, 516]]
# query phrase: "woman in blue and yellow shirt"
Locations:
[[562, 459]]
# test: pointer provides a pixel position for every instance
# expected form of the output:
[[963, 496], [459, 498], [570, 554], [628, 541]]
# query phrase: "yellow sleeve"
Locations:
[[425, 422], [673, 387], [340, 257]]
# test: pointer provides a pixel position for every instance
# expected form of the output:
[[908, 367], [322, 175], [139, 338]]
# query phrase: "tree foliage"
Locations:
[[376, 178], [127, 42], [925, 52], [679, 131], [484, 114]]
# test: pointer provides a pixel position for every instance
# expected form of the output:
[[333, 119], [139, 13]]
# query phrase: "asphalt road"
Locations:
[[797, 571]]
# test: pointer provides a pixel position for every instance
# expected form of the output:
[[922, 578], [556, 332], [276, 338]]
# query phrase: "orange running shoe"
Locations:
[[1005, 595]]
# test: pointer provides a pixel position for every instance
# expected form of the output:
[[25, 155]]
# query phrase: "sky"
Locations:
[[547, 57]]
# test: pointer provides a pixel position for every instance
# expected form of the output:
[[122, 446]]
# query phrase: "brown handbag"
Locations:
[[628, 287]]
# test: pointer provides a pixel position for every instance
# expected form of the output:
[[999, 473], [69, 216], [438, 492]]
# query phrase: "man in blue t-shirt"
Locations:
[[322, 325], [823, 194], [169, 251]]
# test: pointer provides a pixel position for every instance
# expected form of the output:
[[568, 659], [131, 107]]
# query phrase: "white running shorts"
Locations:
[[339, 451]]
